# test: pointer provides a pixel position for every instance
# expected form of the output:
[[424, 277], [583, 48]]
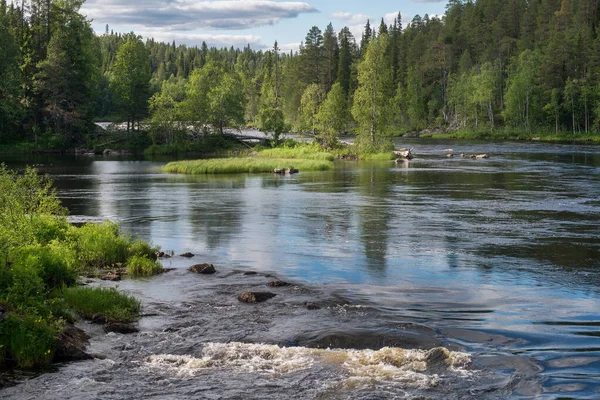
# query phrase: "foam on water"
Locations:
[[359, 368]]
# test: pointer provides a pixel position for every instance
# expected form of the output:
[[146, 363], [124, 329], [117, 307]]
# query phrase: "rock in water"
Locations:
[[187, 255], [120, 327], [255, 297], [278, 284], [70, 345], [205, 269]]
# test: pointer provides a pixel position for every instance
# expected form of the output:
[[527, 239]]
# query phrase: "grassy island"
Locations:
[[244, 165]]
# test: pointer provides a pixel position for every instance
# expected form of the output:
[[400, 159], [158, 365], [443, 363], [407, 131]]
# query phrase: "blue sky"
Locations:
[[241, 22]]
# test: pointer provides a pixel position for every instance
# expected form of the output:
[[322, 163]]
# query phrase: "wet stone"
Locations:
[[120, 327], [255, 297], [187, 255], [71, 344], [312, 306], [250, 273], [205, 269], [278, 283]]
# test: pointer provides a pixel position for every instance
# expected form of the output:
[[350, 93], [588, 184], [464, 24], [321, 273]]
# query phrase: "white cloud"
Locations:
[[187, 15], [196, 39]]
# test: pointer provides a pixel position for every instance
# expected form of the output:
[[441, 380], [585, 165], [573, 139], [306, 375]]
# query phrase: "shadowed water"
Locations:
[[497, 258]]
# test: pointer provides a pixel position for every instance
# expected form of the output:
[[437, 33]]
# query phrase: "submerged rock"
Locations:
[[255, 297], [250, 273], [162, 254], [278, 284], [71, 344], [120, 327], [205, 269], [373, 339], [187, 255], [312, 306]]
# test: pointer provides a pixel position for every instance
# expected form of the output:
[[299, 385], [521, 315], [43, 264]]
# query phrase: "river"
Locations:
[[497, 260]]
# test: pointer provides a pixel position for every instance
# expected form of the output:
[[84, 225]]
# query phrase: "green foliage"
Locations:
[[371, 106], [131, 79], [101, 245], [333, 116], [310, 103], [270, 121], [243, 165], [142, 248], [138, 266], [28, 340], [305, 152], [54, 265], [90, 302]]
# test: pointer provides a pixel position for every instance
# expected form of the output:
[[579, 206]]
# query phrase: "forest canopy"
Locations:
[[529, 65]]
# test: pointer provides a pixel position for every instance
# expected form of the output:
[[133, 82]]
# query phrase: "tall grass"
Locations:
[[90, 302], [244, 165], [138, 266], [306, 152]]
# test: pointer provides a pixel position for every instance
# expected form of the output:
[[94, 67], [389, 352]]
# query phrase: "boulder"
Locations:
[[278, 284], [291, 171], [255, 297], [312, 306], [279, 171], [187, 255], [120, 327], [71, 344], [205, 269]]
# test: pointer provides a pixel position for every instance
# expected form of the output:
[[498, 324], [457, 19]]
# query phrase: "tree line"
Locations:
[[486, 64]]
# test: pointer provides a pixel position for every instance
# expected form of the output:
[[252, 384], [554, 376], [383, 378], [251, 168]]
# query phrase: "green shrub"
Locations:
[[28, 340], [47, 228], [138, 266], [100, 245], [26, 291], [142, 248], [53, 265], [90, 302]]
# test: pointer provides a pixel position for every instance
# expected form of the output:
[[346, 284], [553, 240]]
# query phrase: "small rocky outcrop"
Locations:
[[204, 269], [286, 171], [71, 344], [250, 273], [404, 153], [162, 254], [112, 277], [312, 306], [278, 283], [187, 255], [255, 297], [120, 327]]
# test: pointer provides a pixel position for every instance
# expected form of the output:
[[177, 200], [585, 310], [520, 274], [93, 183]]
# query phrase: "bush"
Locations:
[[28, 340], [53, 265], [48, 228], [91, 302], [100, 245], [138, 266], [143, 249], [26, 291]]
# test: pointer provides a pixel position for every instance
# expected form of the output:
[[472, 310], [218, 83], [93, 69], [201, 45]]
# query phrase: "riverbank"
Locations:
[[510, 135]]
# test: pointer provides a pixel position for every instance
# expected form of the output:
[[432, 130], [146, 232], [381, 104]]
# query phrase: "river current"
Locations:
[[493, 263]]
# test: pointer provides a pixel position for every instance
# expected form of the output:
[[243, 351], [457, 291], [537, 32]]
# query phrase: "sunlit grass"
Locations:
[[138, 266], [90, 302], [300, 152], [244, 165]]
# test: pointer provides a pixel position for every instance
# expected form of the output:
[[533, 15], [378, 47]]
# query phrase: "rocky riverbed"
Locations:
[[198, 338]]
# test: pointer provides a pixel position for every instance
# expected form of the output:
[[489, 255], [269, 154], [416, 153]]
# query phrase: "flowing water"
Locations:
[[437, 278]]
